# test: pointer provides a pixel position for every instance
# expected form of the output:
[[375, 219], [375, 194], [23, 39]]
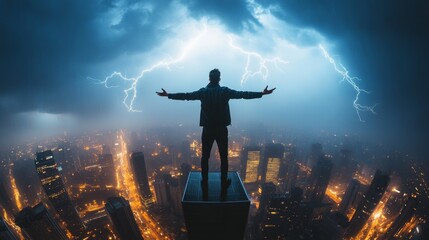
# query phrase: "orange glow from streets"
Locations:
[[128, 189], [16, 194], [377, 223]]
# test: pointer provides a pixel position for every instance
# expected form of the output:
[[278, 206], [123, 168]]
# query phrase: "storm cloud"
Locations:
[[49, 48]]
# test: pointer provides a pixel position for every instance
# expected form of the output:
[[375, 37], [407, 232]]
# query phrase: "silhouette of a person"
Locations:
[[214, 118]]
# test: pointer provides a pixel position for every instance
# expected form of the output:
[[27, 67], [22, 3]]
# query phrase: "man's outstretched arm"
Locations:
[[181, 96], [249, 95]]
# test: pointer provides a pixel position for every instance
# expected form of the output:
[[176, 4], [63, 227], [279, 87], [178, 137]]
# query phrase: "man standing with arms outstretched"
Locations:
[[214, 118]]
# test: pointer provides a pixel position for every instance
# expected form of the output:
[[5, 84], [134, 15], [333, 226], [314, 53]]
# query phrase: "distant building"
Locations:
[[350, 197], [319, 179], [316, 151], [38, 224], [273, 224], [108, 174], [5, 231], [140, 174], [55, 190], [368, 203], [273, 158], [250, 160], [122, 217]]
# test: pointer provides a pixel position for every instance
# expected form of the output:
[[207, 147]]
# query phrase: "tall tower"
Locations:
[[319, 179], [316, 151], [350, 196], [108, 168], [250, 160], [122, 217], [140, 172], [38, 224], [368, 203], [273, 157], [54, 188]]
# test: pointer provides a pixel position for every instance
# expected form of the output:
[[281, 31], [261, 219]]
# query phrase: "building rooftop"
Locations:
[[194, 193]]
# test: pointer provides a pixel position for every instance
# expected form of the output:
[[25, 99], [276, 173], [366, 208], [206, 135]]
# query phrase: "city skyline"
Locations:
[[298, 196]]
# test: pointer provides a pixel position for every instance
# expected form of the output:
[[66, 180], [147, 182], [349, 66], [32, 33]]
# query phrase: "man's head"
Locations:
[[214, 76]]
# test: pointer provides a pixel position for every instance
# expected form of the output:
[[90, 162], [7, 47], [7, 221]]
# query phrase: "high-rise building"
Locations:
[[319, 179], [222, 215], [161, 191], [350, 197], [368, 203], [406, 214], [316, 151], [38, 224], [140, 173], [108, 175], [55, 190], [250, 160], [274, 221], [5, 231], [273, 157], [122, 217]]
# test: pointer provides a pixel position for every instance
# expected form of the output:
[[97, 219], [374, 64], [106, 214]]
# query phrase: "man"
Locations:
[[214, 118]]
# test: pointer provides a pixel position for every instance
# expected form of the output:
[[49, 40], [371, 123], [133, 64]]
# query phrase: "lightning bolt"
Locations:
[[131, 92], [262, 70], [351, 80]]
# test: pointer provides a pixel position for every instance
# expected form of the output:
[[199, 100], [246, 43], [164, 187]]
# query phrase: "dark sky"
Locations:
[[54, 52]]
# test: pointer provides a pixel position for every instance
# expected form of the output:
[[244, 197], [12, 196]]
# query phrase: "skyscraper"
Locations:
[[38, 224], [274, 221], [273, 157], [316, 151], [140, 173], [350, 197], [368, 203], [108, 168], [250, 160], [122, 217], [54, 188], [319, 179]]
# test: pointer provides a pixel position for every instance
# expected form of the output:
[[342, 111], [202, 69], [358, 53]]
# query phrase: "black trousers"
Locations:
[[220, 135]]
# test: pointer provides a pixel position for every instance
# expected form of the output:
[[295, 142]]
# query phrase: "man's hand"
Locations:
[[163, 93], [266, 91]]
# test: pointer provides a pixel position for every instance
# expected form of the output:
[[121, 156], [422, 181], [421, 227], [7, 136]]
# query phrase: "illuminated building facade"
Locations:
[[368, 203], [273, 224], [38, 224], [122, 217], [273, 157], [140, 173], [55, 190], [250, 160]]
